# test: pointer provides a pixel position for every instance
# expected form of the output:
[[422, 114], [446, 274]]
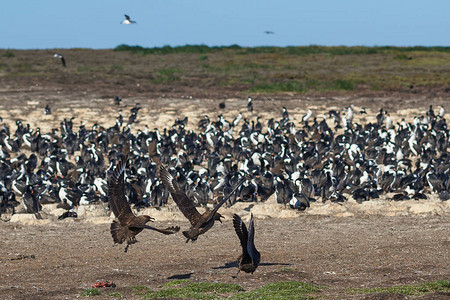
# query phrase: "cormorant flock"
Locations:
[[298, 163]]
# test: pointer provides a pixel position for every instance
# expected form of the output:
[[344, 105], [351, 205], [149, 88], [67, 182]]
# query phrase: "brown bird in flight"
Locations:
[[250, 258], [200, 223], [129, 225]]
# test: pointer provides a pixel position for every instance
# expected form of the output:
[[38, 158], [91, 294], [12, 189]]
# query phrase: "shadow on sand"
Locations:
[[180, 276], [234, 264]]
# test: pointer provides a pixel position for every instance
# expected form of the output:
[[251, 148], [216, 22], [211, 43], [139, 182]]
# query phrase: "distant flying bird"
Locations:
[[200, 223], [128, 21], [63, 61], [129, 225], [250, 258], [269, 32]]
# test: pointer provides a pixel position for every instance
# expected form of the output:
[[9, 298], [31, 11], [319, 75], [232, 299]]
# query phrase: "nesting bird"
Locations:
[[249, 104], [117, 100], [47, 110]]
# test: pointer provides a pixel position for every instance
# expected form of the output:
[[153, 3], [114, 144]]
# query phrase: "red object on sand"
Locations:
[[104, 284]]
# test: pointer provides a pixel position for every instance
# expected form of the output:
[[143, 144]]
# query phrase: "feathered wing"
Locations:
[[127, 17], [183, 202], [116, 194], [242, 233], [251, 249], [167, 231], [216, 208]]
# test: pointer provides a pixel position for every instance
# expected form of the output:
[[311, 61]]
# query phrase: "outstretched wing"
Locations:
[[251, 249], [167, 231], [63, 61], [241, 231], [184, 203], [216, 208], [127, 17], [116, 194]]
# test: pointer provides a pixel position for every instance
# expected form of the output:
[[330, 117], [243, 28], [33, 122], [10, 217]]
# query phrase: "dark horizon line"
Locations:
[[238, 47]]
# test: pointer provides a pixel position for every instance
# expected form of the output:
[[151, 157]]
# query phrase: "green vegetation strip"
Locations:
[[414, 289], [91, 292], [115, 295], [291, 50], [200, 290], [207, 290], [299, 69], [281, 290]]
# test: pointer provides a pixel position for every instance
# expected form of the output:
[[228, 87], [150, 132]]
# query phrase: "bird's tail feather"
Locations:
[[191, 235], [118, 232]]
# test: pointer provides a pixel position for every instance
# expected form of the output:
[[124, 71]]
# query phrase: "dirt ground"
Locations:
[[61, 259], [337, 253]]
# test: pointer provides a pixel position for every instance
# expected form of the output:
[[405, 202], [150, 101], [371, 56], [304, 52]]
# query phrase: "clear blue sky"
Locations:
[[30, 24]]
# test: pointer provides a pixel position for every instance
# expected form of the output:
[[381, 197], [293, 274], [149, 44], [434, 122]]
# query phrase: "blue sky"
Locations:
[[29, 24]]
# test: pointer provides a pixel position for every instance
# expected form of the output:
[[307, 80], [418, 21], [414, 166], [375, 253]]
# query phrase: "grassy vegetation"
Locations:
[[91, 292], [415, 290], [176, 282], [301, 70], [8, 54], [207, 290], [291, 50], [197, 290], [140, 290], [185, 288], [167, 75], [281, 290], [115, 295]]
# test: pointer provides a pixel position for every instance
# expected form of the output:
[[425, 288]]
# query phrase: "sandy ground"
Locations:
[[160, 112], [338, 253], [348, 247]]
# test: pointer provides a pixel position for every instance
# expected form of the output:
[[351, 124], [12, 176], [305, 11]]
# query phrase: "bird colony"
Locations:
[[323, 158]]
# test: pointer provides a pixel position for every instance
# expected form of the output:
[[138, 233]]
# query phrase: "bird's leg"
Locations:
[[239, 270], [126, 248]]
